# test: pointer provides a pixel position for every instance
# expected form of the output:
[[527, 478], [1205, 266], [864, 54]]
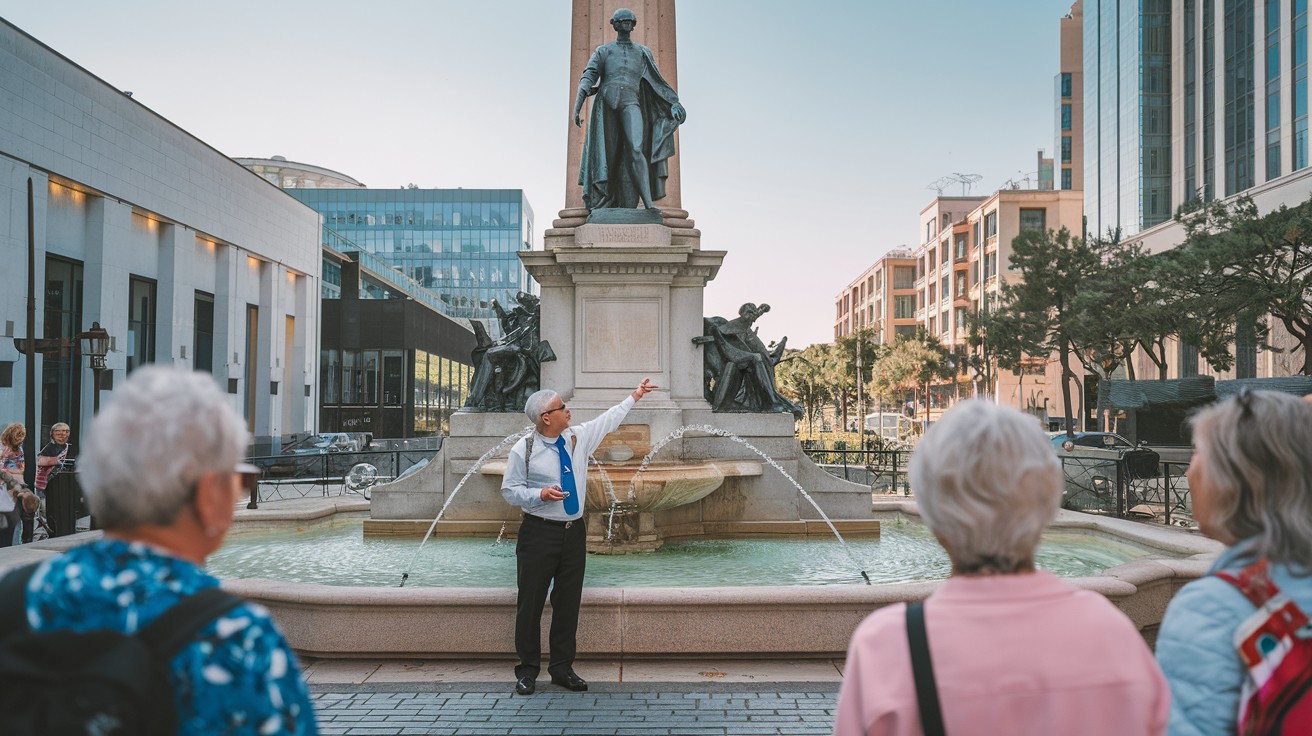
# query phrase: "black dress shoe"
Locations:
[[527, 686], [570, 681]]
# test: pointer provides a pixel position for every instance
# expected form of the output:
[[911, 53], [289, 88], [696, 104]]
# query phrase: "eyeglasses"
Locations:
[[548, 411]]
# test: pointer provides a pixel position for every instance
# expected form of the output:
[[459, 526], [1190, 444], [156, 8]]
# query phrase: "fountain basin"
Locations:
[[660, 486], [779, 621]]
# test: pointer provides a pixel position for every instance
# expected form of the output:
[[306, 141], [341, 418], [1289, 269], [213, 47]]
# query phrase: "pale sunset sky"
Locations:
[[813, 127]]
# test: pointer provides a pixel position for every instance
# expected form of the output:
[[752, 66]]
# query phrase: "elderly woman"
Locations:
[[1013, 650], [161, 474], [11, 461], [1251, 483]]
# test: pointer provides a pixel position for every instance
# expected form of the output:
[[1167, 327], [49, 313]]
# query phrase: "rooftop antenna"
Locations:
[[967, 181], [941, 183]]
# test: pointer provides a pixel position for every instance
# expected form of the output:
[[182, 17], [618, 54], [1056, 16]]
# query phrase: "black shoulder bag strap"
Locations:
[[178, 626], [165, 636], [922, 671], [13, 598]]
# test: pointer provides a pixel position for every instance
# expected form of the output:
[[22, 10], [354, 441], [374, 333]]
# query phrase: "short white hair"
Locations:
[[987, 482], [537, 403], [163, 429]]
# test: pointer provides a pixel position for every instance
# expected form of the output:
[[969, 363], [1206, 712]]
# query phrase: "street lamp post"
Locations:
[[95, 344], [860, 393]]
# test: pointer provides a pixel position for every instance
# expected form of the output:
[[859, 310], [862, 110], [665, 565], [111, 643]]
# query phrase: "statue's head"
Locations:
[[622, 15]]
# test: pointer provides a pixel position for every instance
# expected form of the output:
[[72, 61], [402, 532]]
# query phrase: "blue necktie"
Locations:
[[567, 478]]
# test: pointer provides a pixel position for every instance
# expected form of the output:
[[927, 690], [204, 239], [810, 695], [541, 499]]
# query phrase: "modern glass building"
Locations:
[[459, 244], [1127, 114]]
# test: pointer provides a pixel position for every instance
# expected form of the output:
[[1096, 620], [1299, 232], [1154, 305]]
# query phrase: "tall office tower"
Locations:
[[1127, 121], [1070, 101]]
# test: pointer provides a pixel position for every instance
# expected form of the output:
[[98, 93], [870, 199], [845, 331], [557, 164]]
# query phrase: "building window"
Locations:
[[1188, 360], [904, 277], [61, 373], [203, 338], [961, 284], [1239, 96], [959, 245], [1298, 110], [904, 306], [1209, 100], [1065, 84], [1033, 220], [1272, 89], [1065, 116], [1190, 99], [1065, 149], [1065, 178], [141, 322], [330, 377], [991, 225]]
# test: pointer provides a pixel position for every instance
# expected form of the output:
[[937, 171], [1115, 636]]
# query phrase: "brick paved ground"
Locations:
[[453, 709]]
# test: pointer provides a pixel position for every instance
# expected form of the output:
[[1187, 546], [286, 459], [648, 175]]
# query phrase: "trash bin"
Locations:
[[63, 503]]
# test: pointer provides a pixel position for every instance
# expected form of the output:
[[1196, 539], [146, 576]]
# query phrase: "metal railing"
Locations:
[[283, 475], [1114, 486], [885, 471]]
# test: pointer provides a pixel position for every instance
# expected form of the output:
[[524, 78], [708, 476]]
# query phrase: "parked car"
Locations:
[[1098, 440], [331, 442]]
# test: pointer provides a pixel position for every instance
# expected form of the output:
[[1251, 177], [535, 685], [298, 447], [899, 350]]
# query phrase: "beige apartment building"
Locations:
[[882, 299], [1070, 101], [959, 268]]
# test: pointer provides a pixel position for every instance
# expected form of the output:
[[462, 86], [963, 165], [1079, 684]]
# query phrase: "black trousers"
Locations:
[[548, 551]]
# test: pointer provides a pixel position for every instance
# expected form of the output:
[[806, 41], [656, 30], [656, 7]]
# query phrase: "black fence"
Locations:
[[1133, 484], [283, 476], [885, 471]]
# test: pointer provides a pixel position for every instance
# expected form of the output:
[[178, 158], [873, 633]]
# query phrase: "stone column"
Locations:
[[591, 28]]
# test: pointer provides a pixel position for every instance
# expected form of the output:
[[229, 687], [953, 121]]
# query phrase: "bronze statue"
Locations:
[[739, 368], [508, 371], [631, 126]]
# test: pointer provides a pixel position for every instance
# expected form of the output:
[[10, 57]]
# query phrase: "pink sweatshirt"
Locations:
[[1012, 654]]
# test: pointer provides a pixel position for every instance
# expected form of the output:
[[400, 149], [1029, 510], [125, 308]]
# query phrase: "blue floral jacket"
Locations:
[[238, 677]]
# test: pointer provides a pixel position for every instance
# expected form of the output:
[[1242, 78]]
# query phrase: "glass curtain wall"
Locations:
[[1272, 89], [1239, 96], [461, 244], [1298, 62]]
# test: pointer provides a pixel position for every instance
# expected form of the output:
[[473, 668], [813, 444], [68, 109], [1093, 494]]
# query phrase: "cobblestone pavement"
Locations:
[[675, 709]]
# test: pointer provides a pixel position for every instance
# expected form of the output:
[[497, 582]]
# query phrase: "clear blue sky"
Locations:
[[813, 127]]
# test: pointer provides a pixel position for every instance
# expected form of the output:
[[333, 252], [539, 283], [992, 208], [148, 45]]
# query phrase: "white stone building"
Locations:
[[184, 256]]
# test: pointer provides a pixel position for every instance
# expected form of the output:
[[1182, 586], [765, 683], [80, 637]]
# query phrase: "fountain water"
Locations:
[[509, 440], [708, 429]]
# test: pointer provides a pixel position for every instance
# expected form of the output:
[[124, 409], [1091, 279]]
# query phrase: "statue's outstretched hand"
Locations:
[[578, 120], [679, 113]]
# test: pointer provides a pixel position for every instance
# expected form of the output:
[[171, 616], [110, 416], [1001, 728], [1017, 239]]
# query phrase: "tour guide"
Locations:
[[550, 486]]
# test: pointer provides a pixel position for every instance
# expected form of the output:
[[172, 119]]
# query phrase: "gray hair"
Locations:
[[1257, 456], [537, 403], [163, 429], [987, 482], [58, 426]]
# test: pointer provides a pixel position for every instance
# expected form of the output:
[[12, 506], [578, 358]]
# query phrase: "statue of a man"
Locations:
[[739, 368], [631, 127]]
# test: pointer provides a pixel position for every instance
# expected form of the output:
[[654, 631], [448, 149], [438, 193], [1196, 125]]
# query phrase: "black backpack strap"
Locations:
[[922, 671], [178, 626], [13, 597]]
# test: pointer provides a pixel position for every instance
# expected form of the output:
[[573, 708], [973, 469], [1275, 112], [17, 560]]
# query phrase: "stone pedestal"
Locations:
[[621, 303]]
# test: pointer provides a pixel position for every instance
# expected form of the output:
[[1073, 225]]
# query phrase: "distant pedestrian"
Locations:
[[11, 461], [49, 461], [51, 458]]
